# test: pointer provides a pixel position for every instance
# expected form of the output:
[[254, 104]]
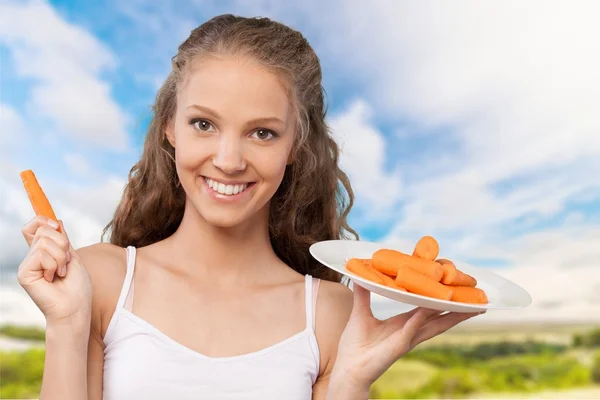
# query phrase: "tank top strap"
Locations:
[[126, 295], [310, 296]]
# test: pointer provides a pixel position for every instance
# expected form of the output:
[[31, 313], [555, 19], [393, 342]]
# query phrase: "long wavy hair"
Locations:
[[315, 196]]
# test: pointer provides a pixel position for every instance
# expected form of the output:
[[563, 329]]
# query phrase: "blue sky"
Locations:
[[474, 123]]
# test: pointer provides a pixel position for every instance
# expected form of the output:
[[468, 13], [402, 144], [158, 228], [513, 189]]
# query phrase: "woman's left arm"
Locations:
[[334, 306], [368, 346]]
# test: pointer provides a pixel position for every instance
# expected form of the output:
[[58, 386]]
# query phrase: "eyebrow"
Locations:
[[216, 115]]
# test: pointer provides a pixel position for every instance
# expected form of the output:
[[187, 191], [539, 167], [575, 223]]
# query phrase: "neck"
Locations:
[[240, 251]]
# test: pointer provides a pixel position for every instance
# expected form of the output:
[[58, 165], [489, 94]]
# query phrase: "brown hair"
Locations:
[[309, 205]]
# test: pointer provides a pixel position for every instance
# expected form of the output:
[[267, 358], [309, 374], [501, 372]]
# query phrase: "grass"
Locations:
[[548, 372], [403, 376], [592, 392], [33, 333], [585, 356]]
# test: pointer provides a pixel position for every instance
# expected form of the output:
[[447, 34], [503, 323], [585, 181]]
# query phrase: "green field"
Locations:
[[478, 362], [520, 361]]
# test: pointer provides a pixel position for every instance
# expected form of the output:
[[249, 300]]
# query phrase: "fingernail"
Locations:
[[52, 223], [68, 256], [63, 271]]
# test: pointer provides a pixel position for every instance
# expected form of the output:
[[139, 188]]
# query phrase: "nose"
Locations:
[[229, 157]]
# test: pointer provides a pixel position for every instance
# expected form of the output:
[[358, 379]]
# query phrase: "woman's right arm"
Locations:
[[74, 364], [66, 363], [54, 276]]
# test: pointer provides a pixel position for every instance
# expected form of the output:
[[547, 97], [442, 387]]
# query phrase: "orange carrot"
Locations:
[[455, 277], [427, 248], [400, 288], [368, 262], [389, 261], [465, 294], [389, 281], [419, 283], [358, 267], [39, 201]]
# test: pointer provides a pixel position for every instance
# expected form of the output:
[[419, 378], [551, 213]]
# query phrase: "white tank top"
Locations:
[[142, 362]]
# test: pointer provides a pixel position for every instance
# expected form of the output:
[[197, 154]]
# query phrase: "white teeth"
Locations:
[[226, 189]]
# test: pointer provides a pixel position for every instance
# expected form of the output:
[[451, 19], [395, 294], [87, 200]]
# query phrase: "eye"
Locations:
[[264, 134], [202, 125]]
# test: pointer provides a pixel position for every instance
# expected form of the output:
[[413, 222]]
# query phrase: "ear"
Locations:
[[169, 133]]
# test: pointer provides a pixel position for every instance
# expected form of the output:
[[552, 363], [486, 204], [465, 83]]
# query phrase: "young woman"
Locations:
[[207, 289]]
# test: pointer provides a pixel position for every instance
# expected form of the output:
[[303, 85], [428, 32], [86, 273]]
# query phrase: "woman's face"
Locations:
[[233, 132]]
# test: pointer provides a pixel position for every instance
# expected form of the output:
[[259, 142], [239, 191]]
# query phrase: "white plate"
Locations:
[[502, 294]]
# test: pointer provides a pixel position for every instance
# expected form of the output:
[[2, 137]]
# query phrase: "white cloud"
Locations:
[[16, 307], [77, 163], [65, 63], [363, 159], [13, 130], [515, 83]]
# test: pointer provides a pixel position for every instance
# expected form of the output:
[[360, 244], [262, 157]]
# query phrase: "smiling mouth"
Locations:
[[227, 189]]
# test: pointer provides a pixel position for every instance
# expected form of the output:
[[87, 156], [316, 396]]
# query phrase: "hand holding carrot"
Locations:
[[52, 273], [53, 276]]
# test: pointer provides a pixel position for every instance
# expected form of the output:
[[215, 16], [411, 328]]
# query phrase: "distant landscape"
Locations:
[[550, 361], [499, 361]]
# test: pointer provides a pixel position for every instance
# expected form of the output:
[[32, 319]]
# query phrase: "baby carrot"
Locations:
[[389, 261], [427, 248], [455, 277], [418, 283], [465, 294], [389, 281], [39, 201], [357, 266]]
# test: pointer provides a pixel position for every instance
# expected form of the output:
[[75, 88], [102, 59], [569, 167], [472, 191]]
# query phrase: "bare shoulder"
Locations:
[[106, 265], [335, 299], [104, 262], [100, 252], [334, 306]]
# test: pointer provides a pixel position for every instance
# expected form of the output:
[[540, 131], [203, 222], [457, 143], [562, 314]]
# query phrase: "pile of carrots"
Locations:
[[419, 273]]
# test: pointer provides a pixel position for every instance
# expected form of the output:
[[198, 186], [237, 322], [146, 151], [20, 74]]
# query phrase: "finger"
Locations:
[[31, 227], [47, 263], [55, 251], [434, 316], [45, 231], [440, 325], [362, 300], [416, 321], [399, 342], [71, 251], [58, 252], [398, 321]]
